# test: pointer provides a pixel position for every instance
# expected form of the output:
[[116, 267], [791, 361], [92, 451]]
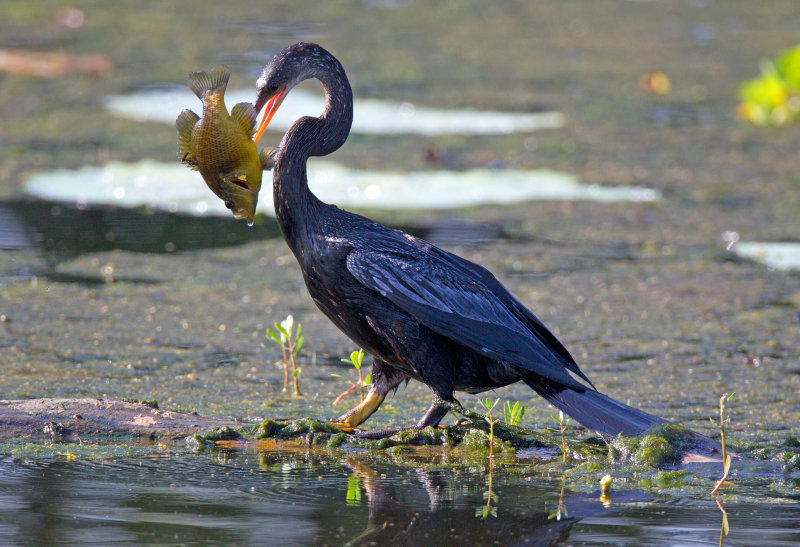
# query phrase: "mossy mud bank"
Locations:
[[78, 419], [667, 459]]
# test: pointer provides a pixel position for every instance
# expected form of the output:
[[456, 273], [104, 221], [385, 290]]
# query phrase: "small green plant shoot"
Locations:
[[485, 510], [724, 528], [513, 414], [290, 346], [562, 423], [353, 490], [726, 458], [488, 509], [561, 509], [355, 359], [489, 406]]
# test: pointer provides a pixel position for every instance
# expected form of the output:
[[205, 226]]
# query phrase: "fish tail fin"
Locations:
[[215, 81], [593, 410], [185, 124]]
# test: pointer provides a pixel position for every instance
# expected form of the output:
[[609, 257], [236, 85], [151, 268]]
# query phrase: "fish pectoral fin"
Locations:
[[190, 162], [245, 115], [267, 158], [185, 124], [215, 81]]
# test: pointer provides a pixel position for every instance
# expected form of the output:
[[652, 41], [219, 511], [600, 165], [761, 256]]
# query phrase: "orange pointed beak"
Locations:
[[269, 111]]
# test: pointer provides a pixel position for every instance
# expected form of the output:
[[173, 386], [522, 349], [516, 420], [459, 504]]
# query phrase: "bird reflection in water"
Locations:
[[394, 519]]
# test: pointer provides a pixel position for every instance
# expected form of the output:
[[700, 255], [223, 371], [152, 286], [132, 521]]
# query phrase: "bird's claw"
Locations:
[[343, 427]]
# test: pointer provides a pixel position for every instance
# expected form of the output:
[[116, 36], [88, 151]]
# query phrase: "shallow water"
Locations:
[[152, 304], [306, 498]]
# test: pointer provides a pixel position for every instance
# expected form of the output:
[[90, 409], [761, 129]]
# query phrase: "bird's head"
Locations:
[[288, 68]]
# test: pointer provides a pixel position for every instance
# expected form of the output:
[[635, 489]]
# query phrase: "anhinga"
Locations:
[[422, 312]]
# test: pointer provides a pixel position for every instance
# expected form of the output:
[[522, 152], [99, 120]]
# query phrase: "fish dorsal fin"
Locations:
[[205, 82], [245, 115], [267, 157], [185, 124]]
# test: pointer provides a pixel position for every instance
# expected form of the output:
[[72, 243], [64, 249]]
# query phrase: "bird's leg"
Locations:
[[359, 414], [384, 379], [436, 412]]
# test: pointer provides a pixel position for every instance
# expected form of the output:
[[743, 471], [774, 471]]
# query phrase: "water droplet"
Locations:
[[250, 223]]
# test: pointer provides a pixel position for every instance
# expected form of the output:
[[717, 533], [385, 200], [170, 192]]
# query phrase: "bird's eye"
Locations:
[[273, 87]]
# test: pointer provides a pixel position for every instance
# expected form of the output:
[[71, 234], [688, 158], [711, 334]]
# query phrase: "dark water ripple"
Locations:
[[276, 497]]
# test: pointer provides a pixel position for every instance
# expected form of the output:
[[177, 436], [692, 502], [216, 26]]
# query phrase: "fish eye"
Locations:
[[229, 204]]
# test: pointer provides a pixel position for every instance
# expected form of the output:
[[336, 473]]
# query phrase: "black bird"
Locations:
[[422, 312]]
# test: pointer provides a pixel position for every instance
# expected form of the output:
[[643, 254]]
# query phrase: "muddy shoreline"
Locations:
[[70, 418]]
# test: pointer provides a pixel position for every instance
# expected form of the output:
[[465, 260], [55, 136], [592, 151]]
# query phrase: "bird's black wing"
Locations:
[[465, 303]]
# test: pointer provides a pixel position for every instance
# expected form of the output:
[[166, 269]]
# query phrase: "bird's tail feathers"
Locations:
[[595, 411]]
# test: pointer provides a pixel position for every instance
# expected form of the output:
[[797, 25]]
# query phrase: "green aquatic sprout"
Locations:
[[353, 490], [290, 346], [488, 509], [562, 423], [561, 508], [774, 97], [726, 458], [355, 359], [724, 528], [513, 414], [489, 406], [605, 489], [485, 510]]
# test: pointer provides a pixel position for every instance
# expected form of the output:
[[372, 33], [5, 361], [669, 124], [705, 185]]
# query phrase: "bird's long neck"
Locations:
[[295, 204]]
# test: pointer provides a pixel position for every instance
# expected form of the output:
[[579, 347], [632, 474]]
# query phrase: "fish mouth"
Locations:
[[240, 199], [271, 108], [239, 182]]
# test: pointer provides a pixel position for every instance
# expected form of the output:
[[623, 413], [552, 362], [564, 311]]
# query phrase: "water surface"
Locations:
[[305, 498]]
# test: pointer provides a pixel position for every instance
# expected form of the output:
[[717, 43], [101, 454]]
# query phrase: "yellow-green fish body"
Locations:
[[220, 146]]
